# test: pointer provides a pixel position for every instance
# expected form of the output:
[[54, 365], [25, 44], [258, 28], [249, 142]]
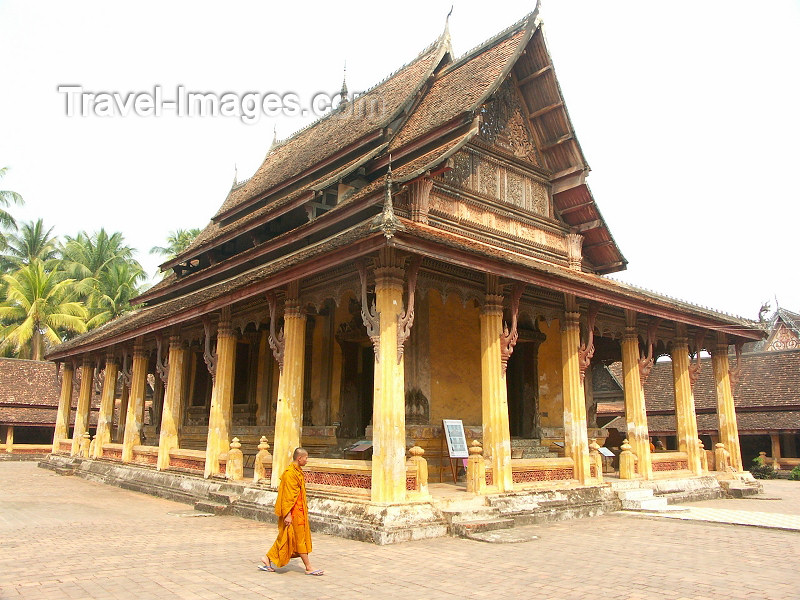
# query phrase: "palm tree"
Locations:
[[38, 310], [29, 243], [6, 220], [88, 259], [177, 241], [116, 286]]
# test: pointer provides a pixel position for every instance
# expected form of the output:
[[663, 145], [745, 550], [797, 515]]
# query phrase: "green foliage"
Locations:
[[761, 470], [794, 475]]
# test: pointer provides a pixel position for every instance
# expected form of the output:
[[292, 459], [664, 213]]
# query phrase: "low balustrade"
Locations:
[[669, 461], [145, 455], [64, 446], [787, 463], [112, 451], [183, 459], [27, 448]]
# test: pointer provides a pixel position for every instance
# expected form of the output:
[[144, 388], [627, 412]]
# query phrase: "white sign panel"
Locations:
[[456, 440]]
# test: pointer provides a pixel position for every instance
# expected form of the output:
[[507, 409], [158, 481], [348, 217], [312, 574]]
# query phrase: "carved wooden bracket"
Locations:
[[387, 222], [277, 340], [646, 362], [162, 366], [586, 351], [508, 338], [696, 366], [735, 374], [209, 356], [574, 242], [406, 320], [369, 314], [99, 369]]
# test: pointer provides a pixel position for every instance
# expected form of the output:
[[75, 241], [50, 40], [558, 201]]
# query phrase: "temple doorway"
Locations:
[[522, 387], [358, 373]]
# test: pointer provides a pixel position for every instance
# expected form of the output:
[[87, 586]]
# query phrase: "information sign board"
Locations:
[[456, 440]]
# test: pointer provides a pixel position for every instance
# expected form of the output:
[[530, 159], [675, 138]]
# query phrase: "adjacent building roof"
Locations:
[[767, 396], [29, 392]]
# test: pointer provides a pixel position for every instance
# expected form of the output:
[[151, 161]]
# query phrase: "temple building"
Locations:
[[765, 387], [429, 250]]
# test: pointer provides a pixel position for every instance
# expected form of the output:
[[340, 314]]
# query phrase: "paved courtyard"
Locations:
[[64, 537]]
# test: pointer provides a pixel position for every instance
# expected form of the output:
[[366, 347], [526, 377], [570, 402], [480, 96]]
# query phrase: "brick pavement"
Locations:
[[64, 537]]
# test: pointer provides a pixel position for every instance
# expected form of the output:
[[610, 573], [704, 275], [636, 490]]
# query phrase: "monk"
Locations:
[[294, 533]]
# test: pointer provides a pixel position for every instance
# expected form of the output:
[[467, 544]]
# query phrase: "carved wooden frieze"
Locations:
[[482, 174], [503, 125], [505, 225]]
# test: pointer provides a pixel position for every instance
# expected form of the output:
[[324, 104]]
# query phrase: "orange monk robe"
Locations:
[[295, 539]]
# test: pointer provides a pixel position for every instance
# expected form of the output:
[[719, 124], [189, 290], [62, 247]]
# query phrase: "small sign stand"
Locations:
[[453, 434]]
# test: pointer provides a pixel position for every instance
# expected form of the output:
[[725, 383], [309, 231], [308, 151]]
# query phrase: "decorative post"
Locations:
[[234, 467], [64, 402], [416, 459], [171, 414], [476, 469], [597, 459], [384, 321], [701, 449], [85, 443], [576, 436], [496, 433], [684, 399], [221, 414], [633, 366], [84, 404], [263, 459], [133, 419], [288, 347], [106, 414], [722, 457], [627, 462], [726, 412]]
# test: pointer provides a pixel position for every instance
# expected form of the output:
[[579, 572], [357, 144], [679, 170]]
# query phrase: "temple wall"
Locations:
[[455, 351], [551, 402]]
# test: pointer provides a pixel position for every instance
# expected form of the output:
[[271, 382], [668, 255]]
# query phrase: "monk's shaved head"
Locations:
[[298, 452]]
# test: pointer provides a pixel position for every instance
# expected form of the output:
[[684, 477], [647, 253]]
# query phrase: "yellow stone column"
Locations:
[[9, 439], [684, 401], [171, 414], [635, 412], [106, 414], [576, 438], [389, 405], [289, 412], [219, 420], [136, 396], [726, 413], [494, 395], [64, 402], [84, 404]]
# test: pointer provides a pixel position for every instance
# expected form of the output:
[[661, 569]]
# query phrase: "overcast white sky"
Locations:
[[687, 112]]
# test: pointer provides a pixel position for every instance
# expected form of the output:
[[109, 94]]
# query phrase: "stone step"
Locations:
[[484, 513], [649, 504], [468, 528], [635, 494], [209, 506], [64, 470], [743, 491], [223, 497]]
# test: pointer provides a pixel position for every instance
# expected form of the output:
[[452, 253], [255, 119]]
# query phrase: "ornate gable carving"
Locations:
[[503, 125]]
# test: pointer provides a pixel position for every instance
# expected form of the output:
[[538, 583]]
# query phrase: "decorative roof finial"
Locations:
[[387, 221], [235, 175], [343, 93], [274, 138]]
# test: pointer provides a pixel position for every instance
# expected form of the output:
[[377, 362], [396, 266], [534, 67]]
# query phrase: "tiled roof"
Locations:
[[337, 130], [28, 382], [762, 421]]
